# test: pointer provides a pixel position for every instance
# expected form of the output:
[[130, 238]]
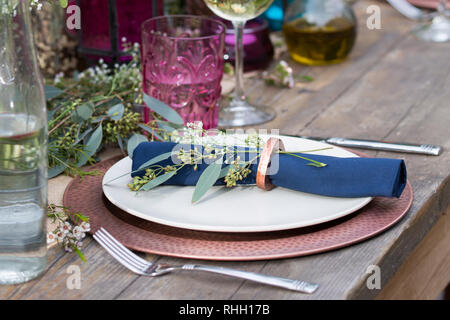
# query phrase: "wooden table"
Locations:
[[393, 87]]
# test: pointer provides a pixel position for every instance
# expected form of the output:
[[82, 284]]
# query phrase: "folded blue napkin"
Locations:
[[341, 177]]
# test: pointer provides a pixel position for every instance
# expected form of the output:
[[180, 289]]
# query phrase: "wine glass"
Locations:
[[240, 112], [438, 30]]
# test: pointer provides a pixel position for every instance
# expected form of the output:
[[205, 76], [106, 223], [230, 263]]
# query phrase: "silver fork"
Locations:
[[145, 268]]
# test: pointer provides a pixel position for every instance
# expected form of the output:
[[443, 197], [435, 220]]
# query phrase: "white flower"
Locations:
[[78, 233], [65, 227], [124, 39], [60, 235], [58, 77], [79, 244], [85, 226], [51, 237]]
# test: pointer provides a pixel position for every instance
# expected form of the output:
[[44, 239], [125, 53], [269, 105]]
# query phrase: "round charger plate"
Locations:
[[430, 4], [239, 209], [86, 196]]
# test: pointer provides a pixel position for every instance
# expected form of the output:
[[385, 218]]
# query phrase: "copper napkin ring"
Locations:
[[262, 179]]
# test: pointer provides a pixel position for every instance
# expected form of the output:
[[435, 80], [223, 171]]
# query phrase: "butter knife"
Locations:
[[427, 149]]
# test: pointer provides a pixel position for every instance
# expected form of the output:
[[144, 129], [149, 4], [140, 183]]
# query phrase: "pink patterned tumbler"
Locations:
[[182, 61]]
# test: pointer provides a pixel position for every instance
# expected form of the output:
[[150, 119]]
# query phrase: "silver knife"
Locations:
[[427, 149]]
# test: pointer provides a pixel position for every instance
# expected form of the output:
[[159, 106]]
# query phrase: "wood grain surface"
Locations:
[[392, 87]]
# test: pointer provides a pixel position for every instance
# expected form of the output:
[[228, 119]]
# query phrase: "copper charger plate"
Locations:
[[87, 198], [430, 4]]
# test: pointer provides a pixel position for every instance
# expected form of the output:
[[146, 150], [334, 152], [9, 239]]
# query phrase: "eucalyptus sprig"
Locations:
[[213, 152], [97, 107]]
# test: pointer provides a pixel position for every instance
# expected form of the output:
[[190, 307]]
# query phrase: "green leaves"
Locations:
[[145, 165], [207, 179], [91, 146], [152, 131], [133, 142], [163, 110], [154, 160], [305, 78], [56, 170], [158, 180], [82, 113], [116, 112], [52, 92]]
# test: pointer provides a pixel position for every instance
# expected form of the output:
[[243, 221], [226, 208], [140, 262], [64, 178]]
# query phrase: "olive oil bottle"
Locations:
[[319, 32], [318, 45]]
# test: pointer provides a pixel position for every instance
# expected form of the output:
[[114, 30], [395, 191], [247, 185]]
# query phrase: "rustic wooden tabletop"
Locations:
[[393, 87]]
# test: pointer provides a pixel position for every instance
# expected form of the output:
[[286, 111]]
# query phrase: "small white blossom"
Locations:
[[60, 235], [51, 237], [65, 227], [58, 77], [78, 233], [85, 226]]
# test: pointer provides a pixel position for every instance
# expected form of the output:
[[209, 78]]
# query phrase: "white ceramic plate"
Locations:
[[239, 209]]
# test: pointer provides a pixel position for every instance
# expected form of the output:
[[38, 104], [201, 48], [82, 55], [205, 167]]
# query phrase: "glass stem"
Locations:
[[239, 60], [442, 7]]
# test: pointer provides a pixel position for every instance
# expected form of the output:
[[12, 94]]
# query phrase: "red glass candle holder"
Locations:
[[258, 48], [104, 23]]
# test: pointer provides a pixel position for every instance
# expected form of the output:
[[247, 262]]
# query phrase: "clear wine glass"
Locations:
[[438, 29], [240, 112]]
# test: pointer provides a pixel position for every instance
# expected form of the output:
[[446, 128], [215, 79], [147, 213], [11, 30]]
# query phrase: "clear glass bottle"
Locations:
[[319, 32], [23, 149]]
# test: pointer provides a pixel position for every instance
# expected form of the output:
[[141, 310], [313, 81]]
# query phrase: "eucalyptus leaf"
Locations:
[[82, 136], [76, 75], [224, 171], [116, 112], [50, 114], [91, 145], [133, 142], [163, 110], [52, 92], [82, 113], [209, 176], [97, 119], [56, 170], [110, 103], [158, 180], [154, 160], [120, 141], [153, 132], [168, 126], [146, 164]]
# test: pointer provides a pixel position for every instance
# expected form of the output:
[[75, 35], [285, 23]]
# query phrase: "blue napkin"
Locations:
[[341, 177]]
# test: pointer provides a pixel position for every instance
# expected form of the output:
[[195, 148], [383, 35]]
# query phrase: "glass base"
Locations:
[[438, 30], [240, 113], [14, 270]]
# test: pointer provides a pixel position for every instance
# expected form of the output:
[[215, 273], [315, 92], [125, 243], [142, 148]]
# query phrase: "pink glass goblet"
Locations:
[[182, 65]]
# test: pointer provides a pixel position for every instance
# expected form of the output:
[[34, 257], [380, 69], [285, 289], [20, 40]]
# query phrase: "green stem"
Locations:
[[316, 163]]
